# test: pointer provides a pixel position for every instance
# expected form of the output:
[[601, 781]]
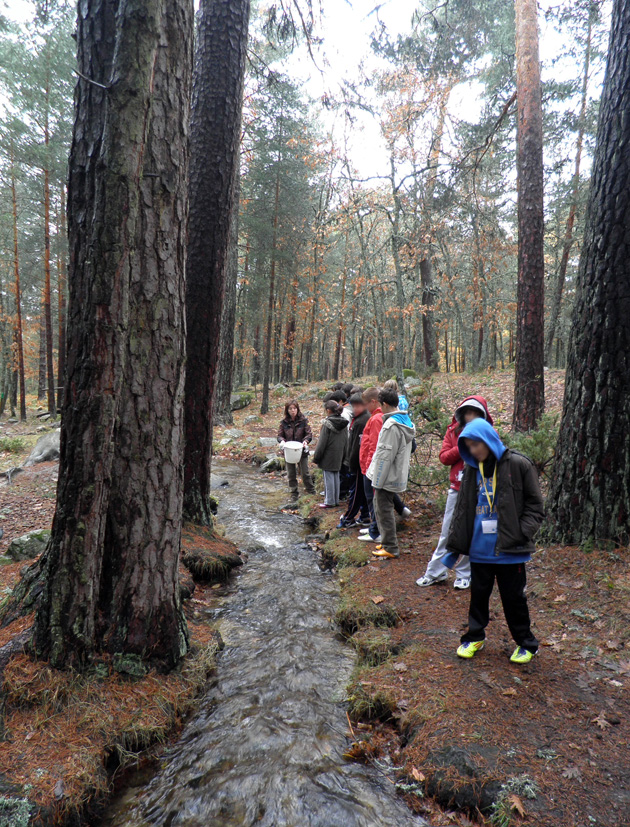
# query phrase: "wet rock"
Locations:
[[28, 546], [218, 482], [459, 781], [210, 566], [240, 400], [45, 450], [273, 463]]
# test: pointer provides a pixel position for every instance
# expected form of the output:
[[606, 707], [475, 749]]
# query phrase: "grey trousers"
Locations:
[[386, 519], [436, 568], [304, 473], [331, 487]]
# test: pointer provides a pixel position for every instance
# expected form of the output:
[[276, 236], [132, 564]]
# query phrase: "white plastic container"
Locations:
[[293, 452]]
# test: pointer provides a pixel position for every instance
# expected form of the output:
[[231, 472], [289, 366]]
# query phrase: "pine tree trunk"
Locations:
[[590, 496], [264, 406], [61, 287], [50, 368], [110, 570], [41, 362], [19, 342], [214, 161], [225, 362], [529, 388], [554, 313]]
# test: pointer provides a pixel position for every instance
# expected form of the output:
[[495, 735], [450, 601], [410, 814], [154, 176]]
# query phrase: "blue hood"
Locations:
[[482, 431], [404, 418]]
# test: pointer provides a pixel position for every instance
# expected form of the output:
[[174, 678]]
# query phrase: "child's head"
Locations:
[[337, 386], [370, 398], [391, 385], [347, 389], [358, 405], [478, 449], [332, 408], [470, 409], [388, 399], [337, 396]]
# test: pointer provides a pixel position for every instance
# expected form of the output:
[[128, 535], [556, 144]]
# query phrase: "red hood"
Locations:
[[481, 401]]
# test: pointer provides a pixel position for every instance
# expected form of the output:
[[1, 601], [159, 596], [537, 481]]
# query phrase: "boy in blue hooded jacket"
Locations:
[[498, 511]]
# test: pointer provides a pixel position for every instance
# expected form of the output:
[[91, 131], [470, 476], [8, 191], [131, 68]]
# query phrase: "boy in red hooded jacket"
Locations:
[[437, 572]]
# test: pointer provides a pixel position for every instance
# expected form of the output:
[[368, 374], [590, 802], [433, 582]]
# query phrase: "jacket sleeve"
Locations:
[[533, 506], [281, 435], [449, 454], [308, 433], [460, 533], [321, 445]]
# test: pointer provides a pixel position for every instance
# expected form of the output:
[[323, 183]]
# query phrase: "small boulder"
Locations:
[[234, 433], [412, 382], [240, 400], [45, 450], [251, 418], [268, 441], [28, 546]]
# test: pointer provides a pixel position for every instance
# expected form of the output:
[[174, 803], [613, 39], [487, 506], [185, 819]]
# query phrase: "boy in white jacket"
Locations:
[[389, 470]]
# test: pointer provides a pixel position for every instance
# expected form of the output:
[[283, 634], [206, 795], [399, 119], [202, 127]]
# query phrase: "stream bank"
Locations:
[[267, 743]]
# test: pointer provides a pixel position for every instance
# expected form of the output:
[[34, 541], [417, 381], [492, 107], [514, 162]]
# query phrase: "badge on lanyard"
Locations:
[[489, 526]]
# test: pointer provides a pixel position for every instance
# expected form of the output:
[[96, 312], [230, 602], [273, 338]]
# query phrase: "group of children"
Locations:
[[493, 510]]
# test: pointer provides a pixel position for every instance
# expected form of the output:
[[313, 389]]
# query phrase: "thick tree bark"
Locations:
[[50, 368], [590, 496], [529, 389], [61, 288], [214, 156], [225, 361], [110, 571]]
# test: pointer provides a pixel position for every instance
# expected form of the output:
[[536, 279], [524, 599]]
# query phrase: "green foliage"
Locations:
[[15, 812], [428, 411], [12, 445], [408, 373], [373, 646], [538, 445], [503, 808]]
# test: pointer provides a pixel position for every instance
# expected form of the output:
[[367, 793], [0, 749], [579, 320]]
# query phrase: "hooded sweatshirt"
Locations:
[[331, 445], [485, 531], [449, 455], [369, 439], [389, 468]]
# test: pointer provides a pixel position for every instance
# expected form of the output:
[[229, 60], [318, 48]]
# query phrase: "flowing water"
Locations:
[[265, 747]]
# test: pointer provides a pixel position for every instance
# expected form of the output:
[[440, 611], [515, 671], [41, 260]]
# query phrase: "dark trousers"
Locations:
[[345, 482], [292, 470], [357, 502], [369, 496], [511, 580]]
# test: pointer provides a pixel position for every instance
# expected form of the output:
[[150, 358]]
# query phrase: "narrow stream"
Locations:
[[265, 747]]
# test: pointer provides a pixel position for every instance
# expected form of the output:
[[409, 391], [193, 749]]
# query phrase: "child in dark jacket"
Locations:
[[498, 511], [436, 572], [330, 451], [357, 504]]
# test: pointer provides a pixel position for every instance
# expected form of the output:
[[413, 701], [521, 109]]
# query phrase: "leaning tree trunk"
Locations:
[[225, 360], [110, 569], [214, 156], [529, 383], [590, 496]]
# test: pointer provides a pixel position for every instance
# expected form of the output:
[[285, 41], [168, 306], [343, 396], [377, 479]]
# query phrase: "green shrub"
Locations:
[[12, 445], [407, 373], [539, 445]]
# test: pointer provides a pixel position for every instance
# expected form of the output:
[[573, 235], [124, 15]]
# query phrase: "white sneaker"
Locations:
[[369, 539], [364, 531], [431, 581], [406, 512], [461, 583]]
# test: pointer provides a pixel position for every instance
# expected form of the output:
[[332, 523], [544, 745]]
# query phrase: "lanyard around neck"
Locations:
[[492, 498]]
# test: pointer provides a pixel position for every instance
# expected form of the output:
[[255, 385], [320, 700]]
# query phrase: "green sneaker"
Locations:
[[470, 648], [521, 655]]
